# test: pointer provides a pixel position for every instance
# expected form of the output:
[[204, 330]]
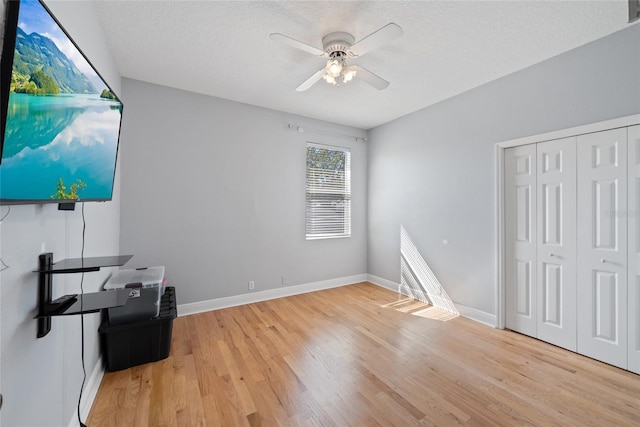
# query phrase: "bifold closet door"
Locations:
[[520, 238], [633, 216], [602, 246], [540, 235], [556, 242]]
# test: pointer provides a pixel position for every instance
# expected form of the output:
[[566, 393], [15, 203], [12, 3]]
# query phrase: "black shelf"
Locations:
[[79, 265], [91, 302]]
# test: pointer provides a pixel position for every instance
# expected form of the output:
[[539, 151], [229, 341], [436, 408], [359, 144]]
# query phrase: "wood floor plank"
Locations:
[[361, 355]]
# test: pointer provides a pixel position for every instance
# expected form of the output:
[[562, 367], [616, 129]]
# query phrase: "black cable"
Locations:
[[84, 371], [6, 215]]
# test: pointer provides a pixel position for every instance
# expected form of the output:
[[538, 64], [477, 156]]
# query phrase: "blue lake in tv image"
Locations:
[[68, 136]]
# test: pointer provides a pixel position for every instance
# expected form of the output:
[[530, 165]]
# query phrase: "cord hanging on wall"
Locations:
[[6, 215]]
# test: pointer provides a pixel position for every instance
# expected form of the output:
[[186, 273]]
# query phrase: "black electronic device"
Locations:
[[60, 122]]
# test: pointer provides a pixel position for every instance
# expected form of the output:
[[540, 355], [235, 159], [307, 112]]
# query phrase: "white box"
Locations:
[[144, 298]]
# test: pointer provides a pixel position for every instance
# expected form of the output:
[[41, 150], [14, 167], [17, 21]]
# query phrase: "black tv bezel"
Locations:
[[6, 68]]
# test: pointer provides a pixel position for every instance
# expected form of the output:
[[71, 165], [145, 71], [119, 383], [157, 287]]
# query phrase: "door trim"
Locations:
[[499, 192]]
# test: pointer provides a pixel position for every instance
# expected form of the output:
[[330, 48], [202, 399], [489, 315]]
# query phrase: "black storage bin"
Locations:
[[130, 344]]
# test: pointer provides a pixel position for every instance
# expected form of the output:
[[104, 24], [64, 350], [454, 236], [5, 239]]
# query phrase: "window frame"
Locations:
[[311, 230]]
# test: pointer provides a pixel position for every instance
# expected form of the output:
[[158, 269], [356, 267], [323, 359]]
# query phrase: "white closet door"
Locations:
[[556, 253], [634, 248], [602, 246], [520, 235]]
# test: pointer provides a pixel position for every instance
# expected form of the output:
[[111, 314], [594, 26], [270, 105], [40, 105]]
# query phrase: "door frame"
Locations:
[[500, 299]]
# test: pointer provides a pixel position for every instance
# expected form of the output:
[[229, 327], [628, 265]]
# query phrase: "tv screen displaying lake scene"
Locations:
[[63, 121]]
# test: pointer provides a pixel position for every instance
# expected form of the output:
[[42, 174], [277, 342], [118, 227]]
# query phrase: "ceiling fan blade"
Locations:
[[311, 80], [370, 78], [377, 38], [297, 44]]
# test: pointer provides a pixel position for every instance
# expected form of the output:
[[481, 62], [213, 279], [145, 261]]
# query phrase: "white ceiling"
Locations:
[[222, 48]]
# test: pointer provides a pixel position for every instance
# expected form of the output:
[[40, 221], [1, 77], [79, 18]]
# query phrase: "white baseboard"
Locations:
[[89, 393], [468, 312], [384, 283], [477, 315], [233, 301]]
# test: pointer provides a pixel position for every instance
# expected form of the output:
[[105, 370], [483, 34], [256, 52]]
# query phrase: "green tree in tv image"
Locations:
[[107, 94], [61, 190], [45, 83], [38, 83]]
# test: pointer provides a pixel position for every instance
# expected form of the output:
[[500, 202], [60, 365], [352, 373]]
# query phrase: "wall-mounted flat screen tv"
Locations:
[[61, 121]]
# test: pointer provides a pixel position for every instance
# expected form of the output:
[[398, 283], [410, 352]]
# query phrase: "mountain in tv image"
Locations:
[[63, 121], [38, 60]]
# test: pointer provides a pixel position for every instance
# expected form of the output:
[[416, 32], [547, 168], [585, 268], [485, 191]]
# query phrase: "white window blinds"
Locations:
[[328, 205]]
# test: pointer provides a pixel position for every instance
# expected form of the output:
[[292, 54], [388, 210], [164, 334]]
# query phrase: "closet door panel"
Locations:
[[633, 217], [520, 237], [556, 249], [602, 246]]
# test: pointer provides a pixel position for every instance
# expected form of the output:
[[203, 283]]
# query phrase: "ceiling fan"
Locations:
[[337, 48]]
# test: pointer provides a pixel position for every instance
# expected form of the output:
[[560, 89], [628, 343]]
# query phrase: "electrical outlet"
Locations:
[[252, 285], [284, 280]]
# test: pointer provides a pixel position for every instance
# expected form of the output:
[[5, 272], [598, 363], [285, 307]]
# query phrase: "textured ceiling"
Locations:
[[222, 48]]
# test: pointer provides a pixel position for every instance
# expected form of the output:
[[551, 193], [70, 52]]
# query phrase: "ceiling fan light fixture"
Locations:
[[348, 74], [329, 79], [334, 67], [337, 48]]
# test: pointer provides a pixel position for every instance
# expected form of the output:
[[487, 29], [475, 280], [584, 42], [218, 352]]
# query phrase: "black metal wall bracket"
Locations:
[[87, 302], [45, 266]]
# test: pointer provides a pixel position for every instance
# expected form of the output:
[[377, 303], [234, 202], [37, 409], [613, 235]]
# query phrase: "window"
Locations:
[[328, 205]]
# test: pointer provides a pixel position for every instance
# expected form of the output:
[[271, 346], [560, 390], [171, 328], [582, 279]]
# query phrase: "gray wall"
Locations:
[[214, 190], [41, 377], [434, 171]]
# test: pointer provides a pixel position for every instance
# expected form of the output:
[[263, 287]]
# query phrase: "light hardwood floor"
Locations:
[[361, 355]]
